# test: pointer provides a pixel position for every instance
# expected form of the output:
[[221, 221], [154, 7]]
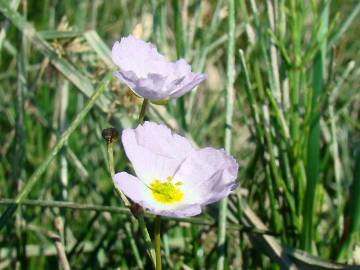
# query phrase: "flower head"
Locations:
[[173, 178], [149, 74]]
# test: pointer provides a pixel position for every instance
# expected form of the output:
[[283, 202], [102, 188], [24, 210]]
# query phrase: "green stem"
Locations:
[[313, 147], [354, 213], [126, 211], [14, 5], [180, 52], [143, 111], [126, 202], [110, 152], [228, 126], [113, 137], [19, 157], [140, 218], [157, 242]]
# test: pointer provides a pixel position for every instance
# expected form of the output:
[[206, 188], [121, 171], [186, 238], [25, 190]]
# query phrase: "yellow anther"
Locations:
[[166, 192]]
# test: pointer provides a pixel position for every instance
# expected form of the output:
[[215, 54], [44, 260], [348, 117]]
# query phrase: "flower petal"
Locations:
[[209, 174], [154, 151], [191, 81], [149, 74], [144, 87], [138, 192], [181, 211], [132, 54], [128, 77], [131, 186]]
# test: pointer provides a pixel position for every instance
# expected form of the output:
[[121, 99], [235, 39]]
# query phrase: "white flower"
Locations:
[[149, 74], [173, 178]]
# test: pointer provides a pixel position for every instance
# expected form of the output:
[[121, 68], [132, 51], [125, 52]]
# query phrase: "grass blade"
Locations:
[[313, 150], [93, 38], [230, 96], [354, 212]]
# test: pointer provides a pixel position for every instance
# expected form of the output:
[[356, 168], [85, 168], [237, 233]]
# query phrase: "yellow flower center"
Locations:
[[167, 191]]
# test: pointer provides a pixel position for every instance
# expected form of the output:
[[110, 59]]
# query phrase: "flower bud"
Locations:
[[110, 135]]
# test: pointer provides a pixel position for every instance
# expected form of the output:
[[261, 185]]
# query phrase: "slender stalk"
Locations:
[[180, 52], [133, 245], [354, 212], [179, 35], [143, 111], [200, 63], [157, 242], [14, 4], [111, 136], [126, 211], [140, 218], [254, 109], [159, 25], [63, 104], [275, 77], [64, 175], [67, 205], [59, 244], [313, 150], [338, 33], [94, 14], [165, 239], [228, 125], [110, 152], [35, 177], [20, 139]]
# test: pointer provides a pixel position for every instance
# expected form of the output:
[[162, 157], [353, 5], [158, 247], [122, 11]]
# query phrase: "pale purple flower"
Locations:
[[173, 178], [149, 74]]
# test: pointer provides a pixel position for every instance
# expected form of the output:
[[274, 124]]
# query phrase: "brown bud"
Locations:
[[136, 209], [110, 135]]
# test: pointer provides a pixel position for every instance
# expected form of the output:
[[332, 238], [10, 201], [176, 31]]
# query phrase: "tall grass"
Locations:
[[282, 97]]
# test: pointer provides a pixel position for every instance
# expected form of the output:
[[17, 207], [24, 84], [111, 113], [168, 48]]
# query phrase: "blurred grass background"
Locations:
[[282, 96]]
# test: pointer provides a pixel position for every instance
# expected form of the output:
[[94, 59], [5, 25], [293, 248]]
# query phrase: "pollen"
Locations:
[[166, 191]]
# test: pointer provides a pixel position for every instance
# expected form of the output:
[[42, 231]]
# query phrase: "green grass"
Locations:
[[282, 97]]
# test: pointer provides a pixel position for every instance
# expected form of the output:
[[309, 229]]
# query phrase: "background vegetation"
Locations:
[[282, 96]]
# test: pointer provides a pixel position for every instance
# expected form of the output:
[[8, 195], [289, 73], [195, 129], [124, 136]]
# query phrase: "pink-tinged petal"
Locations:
[[154, 151], [181, 68], [190, 82], [139, 193], [179, 211], [131, 186], [149, 74], [132, 54], [151, 87], [144, 87], [128, 77], [209, 174]]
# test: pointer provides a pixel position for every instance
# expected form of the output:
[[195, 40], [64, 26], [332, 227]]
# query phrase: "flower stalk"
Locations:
[[143, 111], [111, 135], [157, 242]]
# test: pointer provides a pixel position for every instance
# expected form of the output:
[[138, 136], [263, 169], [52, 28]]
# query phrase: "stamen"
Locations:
[[166, 192]]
